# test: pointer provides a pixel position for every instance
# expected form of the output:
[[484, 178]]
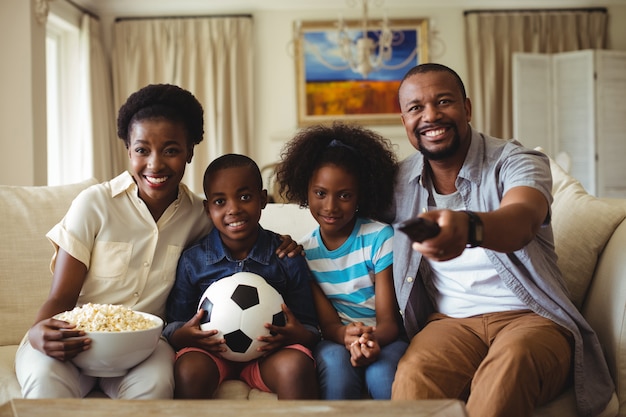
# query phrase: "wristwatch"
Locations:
[[474, 230]]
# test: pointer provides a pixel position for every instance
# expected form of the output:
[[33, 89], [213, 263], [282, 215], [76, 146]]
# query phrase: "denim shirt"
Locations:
[[208, 261], [491, 168]]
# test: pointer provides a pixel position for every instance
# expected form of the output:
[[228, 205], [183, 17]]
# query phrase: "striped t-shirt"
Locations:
[[346, 274]]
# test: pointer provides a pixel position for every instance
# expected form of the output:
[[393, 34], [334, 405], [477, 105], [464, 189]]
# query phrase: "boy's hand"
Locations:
[[190, 335], [291, 333], [364, 350], [289, 247]]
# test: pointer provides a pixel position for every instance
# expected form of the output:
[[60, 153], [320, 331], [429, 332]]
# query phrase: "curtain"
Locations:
[[108, 156], [491, 38], [211, 57]]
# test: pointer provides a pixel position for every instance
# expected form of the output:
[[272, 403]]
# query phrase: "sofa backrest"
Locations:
[[590, 237], [288, 219], [26, 215]]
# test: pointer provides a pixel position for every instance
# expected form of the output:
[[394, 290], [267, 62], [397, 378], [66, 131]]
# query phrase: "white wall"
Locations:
[[275, 95], [22, 77], [22, 98]]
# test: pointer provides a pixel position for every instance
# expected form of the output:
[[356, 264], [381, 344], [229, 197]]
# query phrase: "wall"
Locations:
[[22, 77], [22, 102], [276, 96], [275, 93]]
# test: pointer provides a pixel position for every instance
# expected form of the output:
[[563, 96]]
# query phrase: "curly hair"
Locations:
[[366, 154], [166, 101]]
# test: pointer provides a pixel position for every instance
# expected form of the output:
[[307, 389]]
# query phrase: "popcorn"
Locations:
[[106, 318]]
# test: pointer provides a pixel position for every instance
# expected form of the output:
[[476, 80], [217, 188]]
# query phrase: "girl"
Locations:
[[345, 175]]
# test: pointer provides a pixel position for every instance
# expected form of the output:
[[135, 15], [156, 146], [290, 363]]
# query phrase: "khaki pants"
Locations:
[[502, 364], [44, 377]]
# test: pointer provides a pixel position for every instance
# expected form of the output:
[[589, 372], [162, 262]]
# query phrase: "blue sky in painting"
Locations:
[[324, 43]]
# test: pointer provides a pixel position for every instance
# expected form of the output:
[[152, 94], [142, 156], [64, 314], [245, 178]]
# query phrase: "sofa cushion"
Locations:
[[9, 387], [234, 389], [582, 225], [28, 213]]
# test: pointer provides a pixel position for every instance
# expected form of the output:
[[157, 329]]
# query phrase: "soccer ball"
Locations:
[[238, 307]]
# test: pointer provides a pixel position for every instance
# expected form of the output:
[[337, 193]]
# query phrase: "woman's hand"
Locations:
[[58, 339]]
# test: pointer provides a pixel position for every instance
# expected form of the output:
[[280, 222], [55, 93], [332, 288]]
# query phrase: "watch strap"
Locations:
[[475, 230]]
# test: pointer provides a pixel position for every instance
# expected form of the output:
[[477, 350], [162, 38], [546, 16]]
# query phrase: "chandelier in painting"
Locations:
[[367, 48]]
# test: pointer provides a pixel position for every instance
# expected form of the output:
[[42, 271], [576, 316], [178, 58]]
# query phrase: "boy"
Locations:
[[235, 196]]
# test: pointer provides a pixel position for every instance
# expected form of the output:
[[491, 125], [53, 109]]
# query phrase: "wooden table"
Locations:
[[97, 407]]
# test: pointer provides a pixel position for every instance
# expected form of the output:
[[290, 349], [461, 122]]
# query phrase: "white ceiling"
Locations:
[[195, 7]]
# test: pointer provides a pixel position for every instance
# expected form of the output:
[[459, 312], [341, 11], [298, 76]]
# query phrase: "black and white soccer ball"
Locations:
[[238, 307]]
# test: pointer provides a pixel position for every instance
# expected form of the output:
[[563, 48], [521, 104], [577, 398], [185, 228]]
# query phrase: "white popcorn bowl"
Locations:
[[114, 353]]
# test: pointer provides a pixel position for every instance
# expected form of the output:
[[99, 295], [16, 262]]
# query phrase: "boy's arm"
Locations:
[[170, 328], [302, 325], [181, 301], [299, 295], [293, 332], [189, 334]]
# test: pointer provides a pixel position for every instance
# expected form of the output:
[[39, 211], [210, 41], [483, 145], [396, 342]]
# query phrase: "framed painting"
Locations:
[[329, 88]]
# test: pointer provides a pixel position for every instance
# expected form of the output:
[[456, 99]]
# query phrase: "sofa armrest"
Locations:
[[605, 307]]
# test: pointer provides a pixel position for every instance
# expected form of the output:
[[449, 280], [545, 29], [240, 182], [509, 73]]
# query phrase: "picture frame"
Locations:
[[329, 90]]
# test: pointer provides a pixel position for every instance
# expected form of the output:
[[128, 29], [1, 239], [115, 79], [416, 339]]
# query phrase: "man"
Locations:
[[496, 327]]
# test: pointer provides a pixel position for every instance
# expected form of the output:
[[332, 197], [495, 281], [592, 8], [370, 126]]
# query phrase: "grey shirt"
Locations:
[[491, 168]]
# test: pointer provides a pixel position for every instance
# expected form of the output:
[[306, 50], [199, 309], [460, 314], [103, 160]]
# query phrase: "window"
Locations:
[[68, 160]]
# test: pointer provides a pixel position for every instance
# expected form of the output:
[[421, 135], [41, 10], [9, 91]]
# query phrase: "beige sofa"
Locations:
[[590, 236]]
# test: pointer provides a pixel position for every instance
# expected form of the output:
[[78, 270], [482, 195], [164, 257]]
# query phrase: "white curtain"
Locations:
[[211, 57], [491, 37], [107, 152]]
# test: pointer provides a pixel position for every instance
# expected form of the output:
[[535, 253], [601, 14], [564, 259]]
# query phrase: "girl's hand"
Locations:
[[365, 350], [291, 333], [58, 339], [353, 331], [190, 335], [289, 247]]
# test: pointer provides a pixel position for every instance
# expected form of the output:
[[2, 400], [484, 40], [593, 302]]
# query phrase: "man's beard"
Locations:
[[447, 152]]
